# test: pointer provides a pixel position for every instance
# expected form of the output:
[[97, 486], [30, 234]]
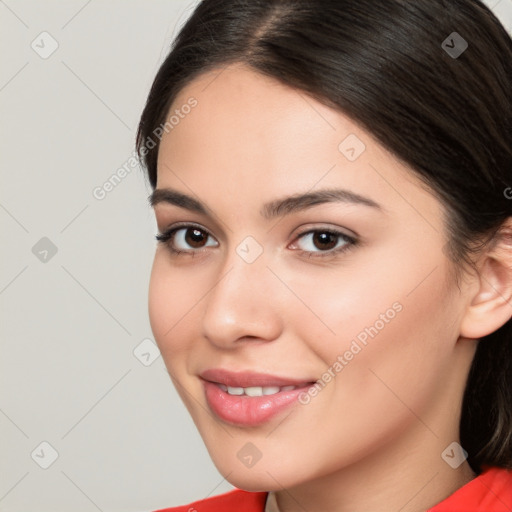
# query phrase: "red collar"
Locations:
[[491, 491]]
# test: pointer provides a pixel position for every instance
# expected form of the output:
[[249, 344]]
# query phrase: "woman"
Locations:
[[332, 287]]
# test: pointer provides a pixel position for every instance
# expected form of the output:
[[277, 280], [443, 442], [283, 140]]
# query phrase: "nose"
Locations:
[[243, 304]]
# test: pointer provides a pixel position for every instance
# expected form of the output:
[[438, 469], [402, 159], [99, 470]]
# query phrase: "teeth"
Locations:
[[255, 390], [272, 390]]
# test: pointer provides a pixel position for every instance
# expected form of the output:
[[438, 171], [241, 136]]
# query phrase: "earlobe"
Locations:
[[490, 306]]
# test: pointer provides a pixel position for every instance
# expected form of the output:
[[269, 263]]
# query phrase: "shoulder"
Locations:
[[232, 501], [490, 491]]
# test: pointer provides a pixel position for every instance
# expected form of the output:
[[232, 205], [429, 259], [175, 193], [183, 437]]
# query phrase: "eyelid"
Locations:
[[329, 228]]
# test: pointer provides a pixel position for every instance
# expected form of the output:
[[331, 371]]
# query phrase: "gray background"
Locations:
[[79, 369]]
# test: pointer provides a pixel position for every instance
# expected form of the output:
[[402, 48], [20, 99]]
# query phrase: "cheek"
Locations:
[[171, 301], [369, 323], [371, 289]]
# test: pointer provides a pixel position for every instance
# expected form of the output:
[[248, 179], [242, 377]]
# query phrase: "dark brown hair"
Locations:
[[385, 64]]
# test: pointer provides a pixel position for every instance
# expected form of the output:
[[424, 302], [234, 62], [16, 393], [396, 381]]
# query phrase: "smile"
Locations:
[[249, 398]]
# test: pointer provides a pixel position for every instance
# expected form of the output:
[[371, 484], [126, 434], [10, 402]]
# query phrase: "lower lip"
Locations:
[[248, 410]]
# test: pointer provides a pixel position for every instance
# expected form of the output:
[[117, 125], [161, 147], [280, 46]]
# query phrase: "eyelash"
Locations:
[[167, 237]]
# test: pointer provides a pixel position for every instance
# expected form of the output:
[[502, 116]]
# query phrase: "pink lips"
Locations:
[[246, 410]]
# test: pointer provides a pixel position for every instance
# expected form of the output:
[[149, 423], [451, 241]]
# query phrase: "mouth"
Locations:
[[249, 398]]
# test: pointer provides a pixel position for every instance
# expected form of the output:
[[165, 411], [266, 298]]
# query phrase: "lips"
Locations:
[[249, 398], [250, 379]]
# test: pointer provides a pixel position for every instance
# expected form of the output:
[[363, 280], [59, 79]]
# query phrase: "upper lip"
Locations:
[[245, 379]]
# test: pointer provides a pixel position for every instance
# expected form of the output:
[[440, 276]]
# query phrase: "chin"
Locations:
[[263, 476], [253, 482]]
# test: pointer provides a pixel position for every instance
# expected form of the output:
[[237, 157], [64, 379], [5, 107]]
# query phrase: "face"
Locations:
[[300, 332]]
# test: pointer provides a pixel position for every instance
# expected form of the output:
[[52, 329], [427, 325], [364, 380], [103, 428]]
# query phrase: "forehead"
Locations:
[[249, 130], [247, 118], [266, 104]]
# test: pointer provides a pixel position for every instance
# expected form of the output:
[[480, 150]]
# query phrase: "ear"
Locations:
[[490, 304]]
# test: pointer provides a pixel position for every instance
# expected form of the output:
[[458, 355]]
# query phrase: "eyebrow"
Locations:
[[272, 209]]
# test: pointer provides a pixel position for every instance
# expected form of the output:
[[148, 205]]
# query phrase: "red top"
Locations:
[[491, 491]]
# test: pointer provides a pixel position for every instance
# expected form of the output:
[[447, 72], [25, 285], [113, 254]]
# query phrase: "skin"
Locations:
[[375, 433]]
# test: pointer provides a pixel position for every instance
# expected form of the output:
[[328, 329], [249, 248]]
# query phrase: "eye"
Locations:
[[324, 242], [191, 239], [186, 238]]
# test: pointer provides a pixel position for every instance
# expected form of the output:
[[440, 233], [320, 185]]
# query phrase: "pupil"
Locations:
[[194, 238], [324, 239]]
